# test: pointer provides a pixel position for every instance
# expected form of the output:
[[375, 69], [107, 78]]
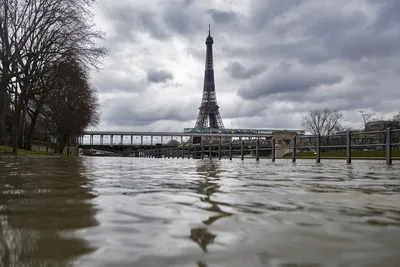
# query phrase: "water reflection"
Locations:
[[41, 202], [158, 212], [207, 186]]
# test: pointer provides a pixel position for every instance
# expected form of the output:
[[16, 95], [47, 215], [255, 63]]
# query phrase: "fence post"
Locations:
[[257, 149], [209, 150], [318, 149], [388, 147], [242, 150], [202, 148], [183, 148], [294, 149], [273, 149], [230, 150], [348, 147], [219, 148]]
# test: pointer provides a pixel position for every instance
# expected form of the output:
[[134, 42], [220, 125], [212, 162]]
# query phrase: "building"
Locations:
[[380, 125]]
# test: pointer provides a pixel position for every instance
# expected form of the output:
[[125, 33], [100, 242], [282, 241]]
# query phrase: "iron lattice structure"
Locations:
[[209, 116]]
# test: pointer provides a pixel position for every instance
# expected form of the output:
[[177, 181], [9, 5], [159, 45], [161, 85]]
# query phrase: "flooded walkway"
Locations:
[[158, 212]]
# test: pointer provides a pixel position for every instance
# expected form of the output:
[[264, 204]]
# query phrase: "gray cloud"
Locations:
[[220, 16], [237, 71], [159, 76], [317, 33], [145, 109], [285, 79], [263, 12], [127, 22], [338, 56]]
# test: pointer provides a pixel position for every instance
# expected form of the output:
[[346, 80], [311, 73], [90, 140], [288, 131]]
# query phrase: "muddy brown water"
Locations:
[[91, 211]]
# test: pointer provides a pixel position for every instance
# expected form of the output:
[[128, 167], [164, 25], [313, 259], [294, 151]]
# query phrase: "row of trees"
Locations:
[[328, 122], [47, 48]]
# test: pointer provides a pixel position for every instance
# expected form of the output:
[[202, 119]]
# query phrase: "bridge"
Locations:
[[166, 143], [382, 144]]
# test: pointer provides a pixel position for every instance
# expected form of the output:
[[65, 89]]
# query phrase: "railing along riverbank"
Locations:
[[377, 145]]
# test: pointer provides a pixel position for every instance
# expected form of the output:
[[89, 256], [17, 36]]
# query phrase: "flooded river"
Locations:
[[177, 212]]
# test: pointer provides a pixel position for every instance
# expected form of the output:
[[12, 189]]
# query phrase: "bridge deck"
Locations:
[[91, 133]]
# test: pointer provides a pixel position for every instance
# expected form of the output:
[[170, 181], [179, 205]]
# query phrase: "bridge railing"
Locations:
[[384, 145], [350, 145]]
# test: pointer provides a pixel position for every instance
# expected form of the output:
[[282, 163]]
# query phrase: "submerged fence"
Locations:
[[350, 145]]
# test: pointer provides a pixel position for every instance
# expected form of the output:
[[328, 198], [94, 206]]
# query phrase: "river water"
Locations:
[[101, 211]]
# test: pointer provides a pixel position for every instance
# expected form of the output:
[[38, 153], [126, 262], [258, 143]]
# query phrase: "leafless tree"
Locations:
[[34, 34], [367, 117], [322, 121], [71, 106], [396, 118]]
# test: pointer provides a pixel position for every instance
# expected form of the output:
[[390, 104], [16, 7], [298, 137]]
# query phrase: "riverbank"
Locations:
[[6, 151], [376, 154]]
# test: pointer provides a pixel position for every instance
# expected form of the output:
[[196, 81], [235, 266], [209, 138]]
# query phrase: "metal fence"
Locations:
[[378, 144]]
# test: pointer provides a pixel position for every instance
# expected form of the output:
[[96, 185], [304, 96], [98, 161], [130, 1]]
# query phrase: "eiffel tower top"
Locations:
[[209, 39]]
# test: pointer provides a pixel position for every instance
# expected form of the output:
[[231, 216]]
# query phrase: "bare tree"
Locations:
[[396, 117], [366, 117], [396, 120], [33, 35], [71, 106], [322, 121]]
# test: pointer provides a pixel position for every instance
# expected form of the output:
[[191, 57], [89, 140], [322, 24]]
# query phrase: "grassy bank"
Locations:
[[7, 151], [342, 154]]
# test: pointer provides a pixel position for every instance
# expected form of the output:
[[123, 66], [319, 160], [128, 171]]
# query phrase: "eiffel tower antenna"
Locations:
[[209, 116]]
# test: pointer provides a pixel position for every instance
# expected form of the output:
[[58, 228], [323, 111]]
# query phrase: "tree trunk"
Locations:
[[13, 142], [61, 143], [31, 130], [3, 89], [21, 129]]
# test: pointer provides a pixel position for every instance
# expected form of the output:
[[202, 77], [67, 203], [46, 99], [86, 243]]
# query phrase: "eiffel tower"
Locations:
[[209, 116]]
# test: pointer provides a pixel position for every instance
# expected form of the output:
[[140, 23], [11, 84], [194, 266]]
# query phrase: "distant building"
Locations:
[[380, 125]]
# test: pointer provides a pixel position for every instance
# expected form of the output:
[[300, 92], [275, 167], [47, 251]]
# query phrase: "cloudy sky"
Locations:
[[274, 60]]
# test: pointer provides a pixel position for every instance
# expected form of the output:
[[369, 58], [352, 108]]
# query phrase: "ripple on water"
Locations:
[[159, 212]]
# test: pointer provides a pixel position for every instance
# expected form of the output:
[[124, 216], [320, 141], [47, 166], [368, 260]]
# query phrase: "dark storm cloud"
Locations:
[[285, 79], [237, 71], [263, 11], [345, 36], [340, 56], [181, 20], [319, 33], [220, 16], [159, 76], [162, 22], [388, 13], [127, 22]]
